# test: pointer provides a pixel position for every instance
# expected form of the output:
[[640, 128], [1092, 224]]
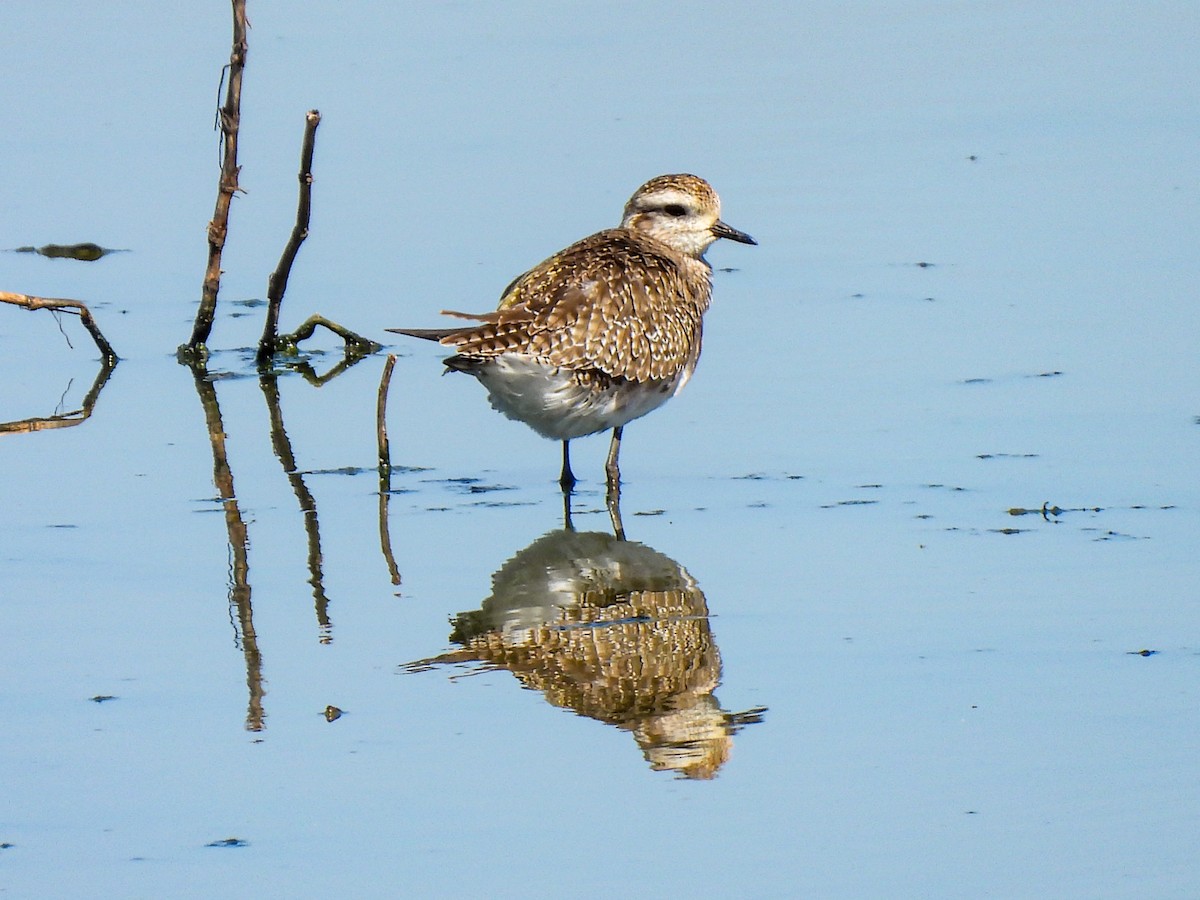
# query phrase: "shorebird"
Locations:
[[604, 331]]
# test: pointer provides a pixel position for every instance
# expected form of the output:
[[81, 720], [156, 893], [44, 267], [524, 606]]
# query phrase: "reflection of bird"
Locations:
[[604, 331], [615, 631]]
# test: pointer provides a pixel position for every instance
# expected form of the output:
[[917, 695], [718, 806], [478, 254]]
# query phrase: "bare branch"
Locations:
[[229, 119], [277, 283], [75, 307]]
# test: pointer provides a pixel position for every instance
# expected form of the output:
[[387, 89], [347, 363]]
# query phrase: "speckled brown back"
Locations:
[[619, 302]]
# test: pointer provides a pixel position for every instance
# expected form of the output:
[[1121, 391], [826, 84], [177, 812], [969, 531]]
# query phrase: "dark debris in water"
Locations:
[[849, 503], [988, 380], [1046, 511], [1007, 455], [86, 252], [1008, 530], [228, 842], [1142, 653], [1115, 536], [102, 698], [764, 476], [488, 488]]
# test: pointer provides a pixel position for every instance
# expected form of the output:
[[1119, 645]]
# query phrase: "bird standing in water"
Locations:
[[604, 331]]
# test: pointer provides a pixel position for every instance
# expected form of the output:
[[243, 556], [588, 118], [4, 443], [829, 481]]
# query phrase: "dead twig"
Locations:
[[355, 343], [74, 307], [385, 458], [277, 283], [229, 118]]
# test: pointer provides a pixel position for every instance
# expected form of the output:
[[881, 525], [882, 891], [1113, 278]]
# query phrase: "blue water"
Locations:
[[974, 293]]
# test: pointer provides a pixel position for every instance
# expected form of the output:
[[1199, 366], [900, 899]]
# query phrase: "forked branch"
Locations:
[[74, 307]]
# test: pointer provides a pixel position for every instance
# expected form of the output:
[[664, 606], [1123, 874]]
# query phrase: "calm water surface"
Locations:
[[843, 650]]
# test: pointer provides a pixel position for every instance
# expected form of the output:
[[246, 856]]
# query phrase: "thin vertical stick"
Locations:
[[277, 283], [385, 457], [218, 228]]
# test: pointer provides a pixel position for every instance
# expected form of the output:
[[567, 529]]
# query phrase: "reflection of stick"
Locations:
[[235, 526], [308, 504], [63, 420], [385, 468], [71, 306], [218, 228], [277, 283], [304, 368], [385, 536]]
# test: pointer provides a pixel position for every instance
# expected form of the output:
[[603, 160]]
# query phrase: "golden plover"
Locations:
[[604, 331]]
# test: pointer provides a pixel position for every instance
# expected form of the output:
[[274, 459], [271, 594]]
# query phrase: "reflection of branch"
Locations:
[[235, 525], [277, 283], [385, 468], [63, 420], [308, 505], [70, 306], [229, 117], [352, 356]]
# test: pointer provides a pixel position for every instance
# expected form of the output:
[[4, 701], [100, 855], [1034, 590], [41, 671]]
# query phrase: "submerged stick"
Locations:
[[74, 307], [277, 283], [229, 118]]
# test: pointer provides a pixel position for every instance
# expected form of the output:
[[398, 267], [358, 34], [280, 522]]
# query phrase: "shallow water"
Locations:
[[892, 556]]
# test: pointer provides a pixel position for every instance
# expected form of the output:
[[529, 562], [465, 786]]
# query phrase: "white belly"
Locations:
[[554, 403]]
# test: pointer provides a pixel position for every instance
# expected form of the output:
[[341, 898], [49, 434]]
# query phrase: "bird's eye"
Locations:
[[674, 209]]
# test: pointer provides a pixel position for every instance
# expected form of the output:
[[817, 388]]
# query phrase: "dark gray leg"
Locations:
[[611, 468], [566, 480]]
